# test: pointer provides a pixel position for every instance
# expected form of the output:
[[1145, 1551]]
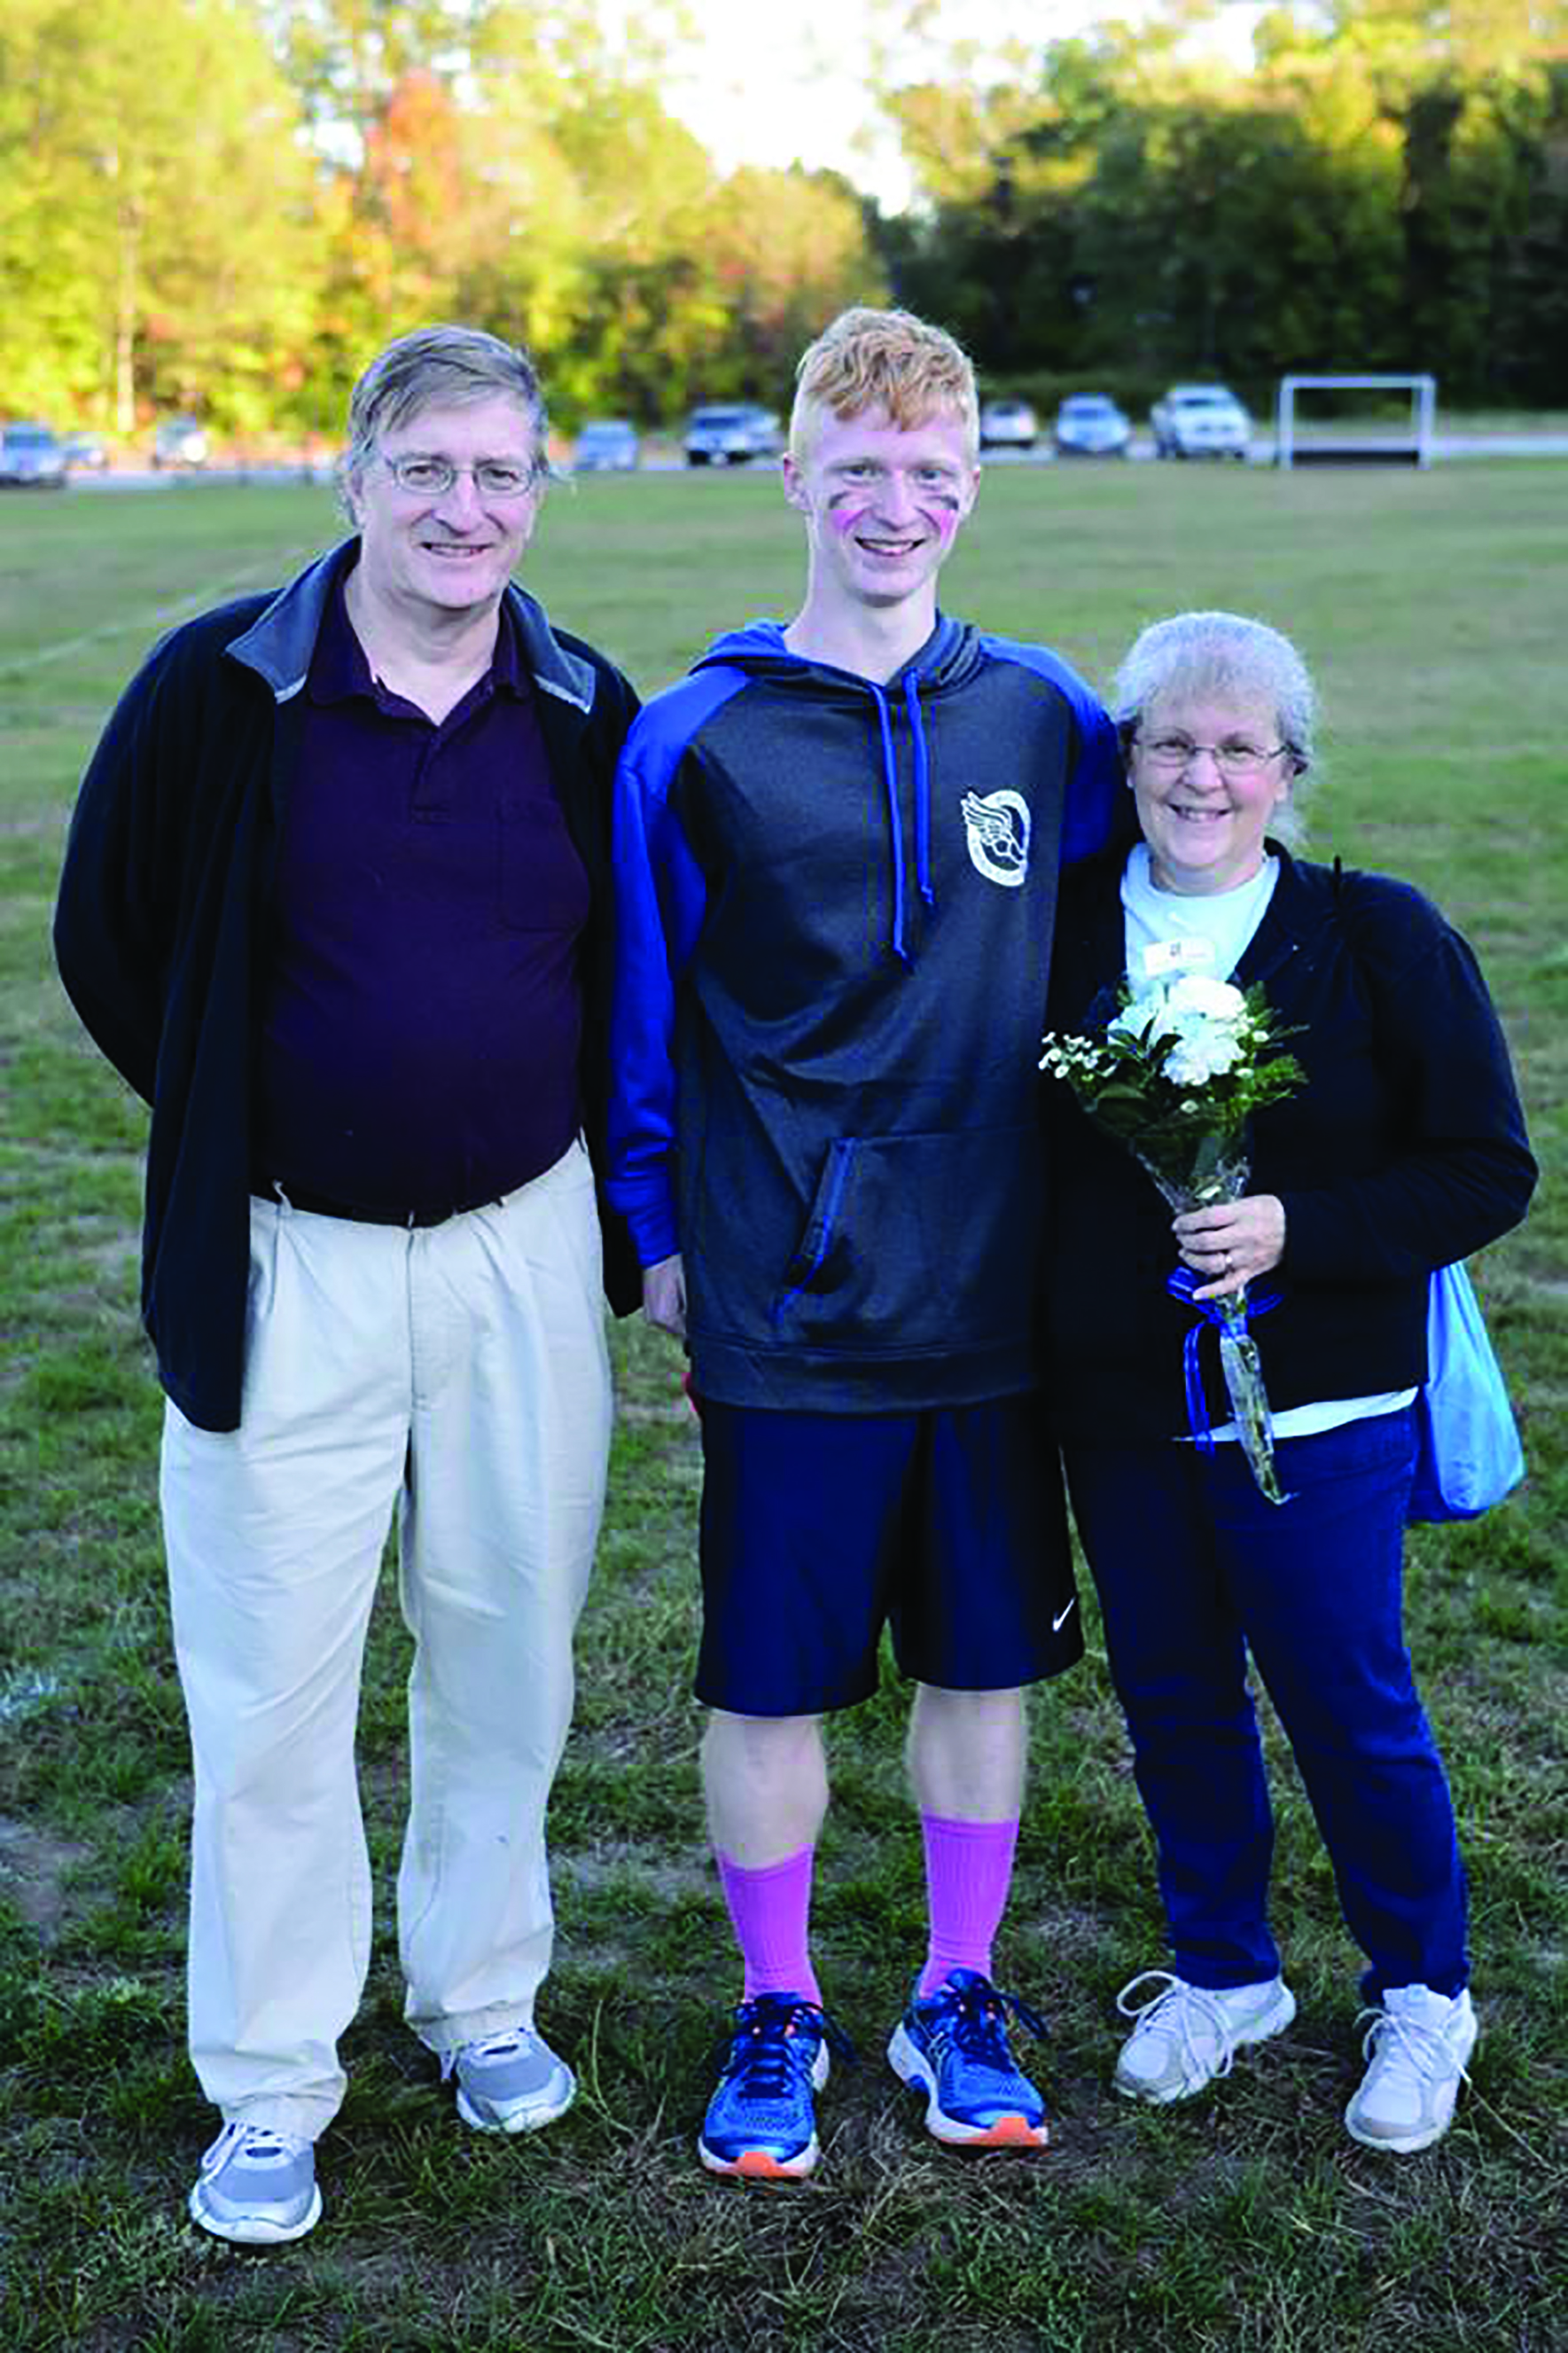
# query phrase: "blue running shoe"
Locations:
[[952, 2046], [761, 2123]]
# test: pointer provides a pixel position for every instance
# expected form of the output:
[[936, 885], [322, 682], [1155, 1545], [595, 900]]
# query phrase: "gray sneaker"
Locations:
[[511, 2082], [1188, 2034], [256, 2187]]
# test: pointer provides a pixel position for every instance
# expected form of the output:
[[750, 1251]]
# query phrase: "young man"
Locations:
[[836, 851], [335, 903]]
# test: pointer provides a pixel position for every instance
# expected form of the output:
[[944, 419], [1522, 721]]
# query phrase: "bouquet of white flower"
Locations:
[[1175, 1076]]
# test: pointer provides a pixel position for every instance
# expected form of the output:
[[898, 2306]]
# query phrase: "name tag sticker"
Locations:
[[1176, 955]]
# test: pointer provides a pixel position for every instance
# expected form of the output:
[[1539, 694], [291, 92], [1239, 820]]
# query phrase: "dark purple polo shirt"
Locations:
[[420, 1014]]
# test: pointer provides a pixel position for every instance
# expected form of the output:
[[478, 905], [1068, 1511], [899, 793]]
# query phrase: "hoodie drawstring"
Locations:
[[922, 789], [895, 828], [922, 808]]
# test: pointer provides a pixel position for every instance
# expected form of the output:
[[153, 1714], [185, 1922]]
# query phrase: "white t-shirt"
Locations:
[[1208, 932]]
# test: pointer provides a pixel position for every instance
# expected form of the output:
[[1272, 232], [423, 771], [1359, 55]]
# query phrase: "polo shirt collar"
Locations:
[[339, 669]]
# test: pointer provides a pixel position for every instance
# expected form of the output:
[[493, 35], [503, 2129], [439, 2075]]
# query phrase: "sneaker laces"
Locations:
[[1409, 2051], [976, 2015], [765, 2046], [502, 2044], [1173, 2012], [262, 2143]]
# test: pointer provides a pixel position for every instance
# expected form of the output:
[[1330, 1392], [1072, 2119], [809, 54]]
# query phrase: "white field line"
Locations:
[[151, 621]]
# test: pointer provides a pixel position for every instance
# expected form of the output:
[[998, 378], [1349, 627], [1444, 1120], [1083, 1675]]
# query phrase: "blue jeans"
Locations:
[[1195, 1570]]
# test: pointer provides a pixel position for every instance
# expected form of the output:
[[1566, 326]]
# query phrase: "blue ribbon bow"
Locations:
[[1181, 1283]]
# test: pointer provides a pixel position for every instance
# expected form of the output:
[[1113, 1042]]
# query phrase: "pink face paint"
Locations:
[[847, 511]]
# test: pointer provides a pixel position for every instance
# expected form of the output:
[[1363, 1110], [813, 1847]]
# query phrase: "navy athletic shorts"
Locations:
[[946, 1525]]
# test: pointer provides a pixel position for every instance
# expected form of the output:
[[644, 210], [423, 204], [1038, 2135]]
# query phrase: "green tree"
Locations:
[[154, 231]]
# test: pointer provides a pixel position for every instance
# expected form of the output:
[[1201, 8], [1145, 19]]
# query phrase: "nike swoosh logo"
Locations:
[[1057, 1623]]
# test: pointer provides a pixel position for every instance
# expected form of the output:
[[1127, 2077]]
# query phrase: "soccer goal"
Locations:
[[1357, 441]]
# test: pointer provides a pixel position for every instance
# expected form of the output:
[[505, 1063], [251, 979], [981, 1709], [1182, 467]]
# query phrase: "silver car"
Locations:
[[731, 435], [606, 445], [1091, 424], [31, 458], [180, 441]]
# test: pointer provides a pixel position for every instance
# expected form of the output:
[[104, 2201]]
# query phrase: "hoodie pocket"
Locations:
[[917, 1242]]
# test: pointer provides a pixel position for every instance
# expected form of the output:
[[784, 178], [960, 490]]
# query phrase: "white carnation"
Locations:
[[1194, 1060], [1216, 1000]]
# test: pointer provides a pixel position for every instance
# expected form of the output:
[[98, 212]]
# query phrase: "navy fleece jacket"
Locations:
[[164, 902]]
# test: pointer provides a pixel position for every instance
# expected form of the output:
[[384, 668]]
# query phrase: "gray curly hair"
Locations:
[[1224, 653]]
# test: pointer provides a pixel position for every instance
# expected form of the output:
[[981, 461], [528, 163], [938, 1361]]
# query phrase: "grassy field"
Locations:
[[1432, 608]]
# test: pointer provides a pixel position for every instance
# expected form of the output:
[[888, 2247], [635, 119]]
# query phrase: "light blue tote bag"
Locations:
[[1469, 1455]]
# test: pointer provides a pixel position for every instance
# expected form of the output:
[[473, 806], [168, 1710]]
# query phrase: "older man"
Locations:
[[334, 902]]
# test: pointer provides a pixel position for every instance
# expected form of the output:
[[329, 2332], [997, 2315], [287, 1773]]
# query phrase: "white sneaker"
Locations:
[[511, 2082], [1417, 2044], [257, 2188], [1188, 2034]]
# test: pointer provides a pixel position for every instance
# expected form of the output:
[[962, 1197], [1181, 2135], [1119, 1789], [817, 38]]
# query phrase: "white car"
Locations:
[[1009, 425], [1200, 420]]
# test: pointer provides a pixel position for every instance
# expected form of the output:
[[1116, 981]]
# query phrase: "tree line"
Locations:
[[223, 206], [1385, 191]]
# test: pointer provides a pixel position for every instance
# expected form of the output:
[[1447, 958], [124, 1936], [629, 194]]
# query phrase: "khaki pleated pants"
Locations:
[[457, 1375]]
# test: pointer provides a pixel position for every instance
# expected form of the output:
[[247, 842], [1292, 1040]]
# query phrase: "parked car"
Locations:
[[1200, 420], [1091, 424], [31, 458], [607, 445], [84, 453], [731, 435], [180, 441], [1009, 425]]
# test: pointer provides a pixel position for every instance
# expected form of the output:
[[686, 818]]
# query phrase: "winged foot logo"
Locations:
[[996, 828]]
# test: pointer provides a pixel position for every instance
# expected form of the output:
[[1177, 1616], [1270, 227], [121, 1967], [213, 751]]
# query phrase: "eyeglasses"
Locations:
[[1236, 759], [432, 478]]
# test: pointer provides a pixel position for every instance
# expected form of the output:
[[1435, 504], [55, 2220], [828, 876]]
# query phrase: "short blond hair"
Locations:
[[888, 360]]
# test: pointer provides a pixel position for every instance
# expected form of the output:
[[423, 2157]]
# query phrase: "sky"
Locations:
[[789, 81]]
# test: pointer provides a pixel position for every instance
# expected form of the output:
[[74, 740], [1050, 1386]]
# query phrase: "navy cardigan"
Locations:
[[1406, 1150]]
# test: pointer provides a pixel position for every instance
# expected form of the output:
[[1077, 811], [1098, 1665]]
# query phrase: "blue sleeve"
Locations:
[[1092, 817], [661, 899]]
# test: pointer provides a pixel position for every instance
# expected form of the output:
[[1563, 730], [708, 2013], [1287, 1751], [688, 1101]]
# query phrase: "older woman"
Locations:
[[1404, 1150]]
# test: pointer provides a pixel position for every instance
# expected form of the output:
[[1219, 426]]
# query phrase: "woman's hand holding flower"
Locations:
[[1233, 1242]]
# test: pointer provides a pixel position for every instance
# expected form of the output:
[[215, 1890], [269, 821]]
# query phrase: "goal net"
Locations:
[[1340, 432]]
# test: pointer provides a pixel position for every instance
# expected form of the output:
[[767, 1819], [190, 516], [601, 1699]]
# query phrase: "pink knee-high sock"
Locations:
[[769, 1911], [969, 1870]]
